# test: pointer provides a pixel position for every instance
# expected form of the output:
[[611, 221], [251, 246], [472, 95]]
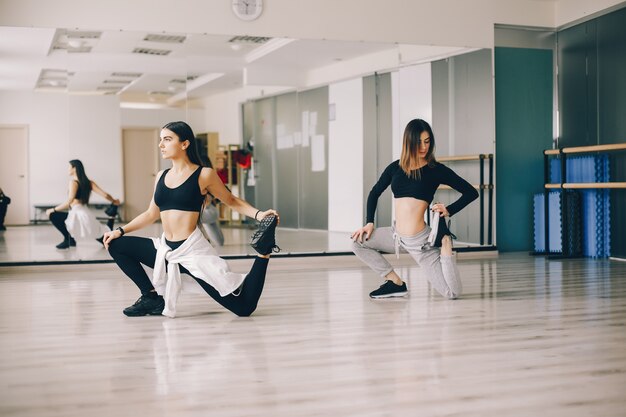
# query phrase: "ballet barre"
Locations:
[[587, 185], [587, 149], [562, 153]]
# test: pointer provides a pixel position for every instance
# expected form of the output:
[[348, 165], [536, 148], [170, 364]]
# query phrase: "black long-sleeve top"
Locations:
[[422, 188]]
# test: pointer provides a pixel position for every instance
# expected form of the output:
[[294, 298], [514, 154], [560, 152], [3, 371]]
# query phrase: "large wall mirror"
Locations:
[[322, 118]]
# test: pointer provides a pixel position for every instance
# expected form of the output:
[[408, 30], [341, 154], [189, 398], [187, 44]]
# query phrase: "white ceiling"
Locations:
[[103, 62]]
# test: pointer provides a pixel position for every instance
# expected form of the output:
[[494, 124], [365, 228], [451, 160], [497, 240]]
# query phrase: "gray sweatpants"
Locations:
[[441, 271]]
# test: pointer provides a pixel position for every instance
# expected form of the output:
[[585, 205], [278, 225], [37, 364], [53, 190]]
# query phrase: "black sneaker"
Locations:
[[146, 306], [442, 230], [66, 243], [264, 239], [389, 289]]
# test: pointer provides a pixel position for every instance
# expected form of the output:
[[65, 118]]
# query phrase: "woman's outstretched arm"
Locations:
[[211, 182], [96, 189]]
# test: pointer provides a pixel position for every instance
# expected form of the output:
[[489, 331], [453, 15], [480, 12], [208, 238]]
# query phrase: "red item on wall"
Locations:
[[223, 174], [243, 159]]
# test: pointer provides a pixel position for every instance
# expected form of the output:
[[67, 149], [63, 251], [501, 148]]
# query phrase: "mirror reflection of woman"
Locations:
[[183, 258], [79, 222], [414, 178]]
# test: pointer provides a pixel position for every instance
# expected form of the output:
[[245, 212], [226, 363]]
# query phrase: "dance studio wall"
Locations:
[[524, 106], [290, 134], [345, 131], [463, 123], [592, 87], [63, 127]]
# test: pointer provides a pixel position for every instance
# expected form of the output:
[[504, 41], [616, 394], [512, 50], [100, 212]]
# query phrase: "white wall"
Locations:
[[423, 22], [345, 156], [48, 141], [414, 100], [96, 139], [222, 112], [91, 134], [154, 118]]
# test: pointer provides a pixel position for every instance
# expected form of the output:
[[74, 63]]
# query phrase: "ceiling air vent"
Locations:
[[151, 51], [117, 81], [164, 38], [160, 93], [249, 39], [178, 81], [108, 88], [127, 74]]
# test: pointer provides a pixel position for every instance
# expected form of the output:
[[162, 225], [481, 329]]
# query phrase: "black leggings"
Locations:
[[58, 220], [129, 252]]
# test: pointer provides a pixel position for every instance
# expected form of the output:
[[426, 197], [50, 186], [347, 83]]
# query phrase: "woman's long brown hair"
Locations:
[[410, 147]]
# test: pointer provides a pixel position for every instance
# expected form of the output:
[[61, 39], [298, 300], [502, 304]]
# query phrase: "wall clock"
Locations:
[[247, 9]]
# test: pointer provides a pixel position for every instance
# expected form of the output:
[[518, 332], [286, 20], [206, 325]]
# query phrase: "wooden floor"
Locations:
[[530, 337]]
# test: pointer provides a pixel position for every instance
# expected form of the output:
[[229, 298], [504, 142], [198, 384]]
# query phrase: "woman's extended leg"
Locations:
[[244, 301]]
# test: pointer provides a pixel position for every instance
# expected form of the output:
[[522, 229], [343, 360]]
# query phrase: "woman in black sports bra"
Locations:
[[182, 258], [414, 178], [79, 223]]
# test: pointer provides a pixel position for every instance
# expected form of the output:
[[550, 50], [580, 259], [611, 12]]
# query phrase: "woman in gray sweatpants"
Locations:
[[414, 178]]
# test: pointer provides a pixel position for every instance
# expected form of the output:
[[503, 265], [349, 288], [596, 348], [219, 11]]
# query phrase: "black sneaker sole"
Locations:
[[395, 294], [151, 313], [258, 241]]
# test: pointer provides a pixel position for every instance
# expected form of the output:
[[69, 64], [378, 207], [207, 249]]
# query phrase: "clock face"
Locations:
[[247, 9]]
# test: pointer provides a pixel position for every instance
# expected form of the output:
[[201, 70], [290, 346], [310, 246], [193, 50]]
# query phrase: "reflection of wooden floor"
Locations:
[[31, 244], [530, 337]]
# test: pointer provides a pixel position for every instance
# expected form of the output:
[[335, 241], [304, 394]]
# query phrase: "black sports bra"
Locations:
[[185, 197], [422, 188]]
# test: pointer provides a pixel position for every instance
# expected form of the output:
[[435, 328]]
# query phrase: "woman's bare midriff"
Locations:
[[410, 215], [178, 224]]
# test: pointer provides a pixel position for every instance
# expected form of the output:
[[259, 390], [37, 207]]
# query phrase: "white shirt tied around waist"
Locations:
[[199, 258], [81, 223]]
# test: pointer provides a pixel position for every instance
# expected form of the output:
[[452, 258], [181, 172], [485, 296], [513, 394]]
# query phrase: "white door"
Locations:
[[141, 164], [14, 172]]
